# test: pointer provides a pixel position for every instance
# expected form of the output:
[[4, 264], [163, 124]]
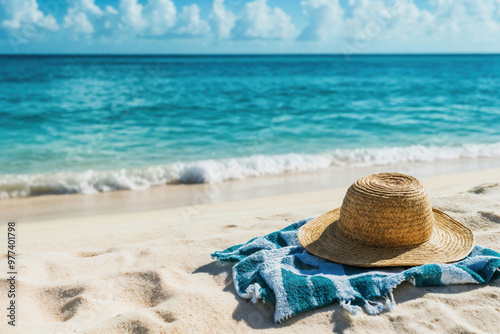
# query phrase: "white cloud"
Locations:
[[110, 10], [131, 15], [401, 24], [85, 18], [78, 23], [82, 15], [467, 19], [365, 21], [259, 21], [90, 7], [399, 20], [325, 19], [160, 16], [222, 19], [26, 12], [190, 22]]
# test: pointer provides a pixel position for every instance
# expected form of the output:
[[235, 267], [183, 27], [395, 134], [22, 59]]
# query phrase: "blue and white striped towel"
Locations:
[[277, 269]]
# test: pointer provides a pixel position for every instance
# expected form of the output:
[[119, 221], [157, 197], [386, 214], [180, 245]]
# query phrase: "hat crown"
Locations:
[[386, 210]]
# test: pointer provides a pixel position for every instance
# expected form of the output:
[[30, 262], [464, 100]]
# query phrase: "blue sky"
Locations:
[[249, 26]]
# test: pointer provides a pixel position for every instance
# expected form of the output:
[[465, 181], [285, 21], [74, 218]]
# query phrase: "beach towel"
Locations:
[[275, 268]]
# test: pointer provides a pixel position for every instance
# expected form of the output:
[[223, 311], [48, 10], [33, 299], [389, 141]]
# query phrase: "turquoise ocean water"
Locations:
[[86, 124]]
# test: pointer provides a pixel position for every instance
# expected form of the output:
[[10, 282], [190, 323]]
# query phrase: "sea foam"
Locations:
[[213, 171]]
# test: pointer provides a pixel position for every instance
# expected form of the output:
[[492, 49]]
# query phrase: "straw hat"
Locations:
[[386, 219]]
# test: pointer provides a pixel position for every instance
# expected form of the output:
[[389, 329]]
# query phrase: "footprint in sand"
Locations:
[[484, 188], [70, 307], [491, 216]]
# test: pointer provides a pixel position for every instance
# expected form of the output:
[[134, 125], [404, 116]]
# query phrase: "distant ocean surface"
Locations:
[[87, 124]]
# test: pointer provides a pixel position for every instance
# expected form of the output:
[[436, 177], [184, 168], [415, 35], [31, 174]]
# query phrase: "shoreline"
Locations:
[[148, 175], [120, 225], [45, 207]]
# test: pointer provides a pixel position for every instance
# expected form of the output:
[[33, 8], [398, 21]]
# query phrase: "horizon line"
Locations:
[[252, 54]]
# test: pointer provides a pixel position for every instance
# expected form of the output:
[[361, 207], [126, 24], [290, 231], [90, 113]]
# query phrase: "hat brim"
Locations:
[[450, 242]]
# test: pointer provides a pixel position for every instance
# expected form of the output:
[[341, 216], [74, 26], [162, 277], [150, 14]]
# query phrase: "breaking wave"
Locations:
[[213, 171]]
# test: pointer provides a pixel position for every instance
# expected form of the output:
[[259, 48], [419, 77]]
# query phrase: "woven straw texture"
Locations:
[[386, 219]]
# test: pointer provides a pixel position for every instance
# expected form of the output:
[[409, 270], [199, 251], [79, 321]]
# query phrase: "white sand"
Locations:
[[150, 271]]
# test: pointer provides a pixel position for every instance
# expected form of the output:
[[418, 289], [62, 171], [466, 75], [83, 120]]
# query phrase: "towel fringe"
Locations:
[[372, 307], [389, 301], [353, 309], [283, 318], [376, 308], [253, 292]]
